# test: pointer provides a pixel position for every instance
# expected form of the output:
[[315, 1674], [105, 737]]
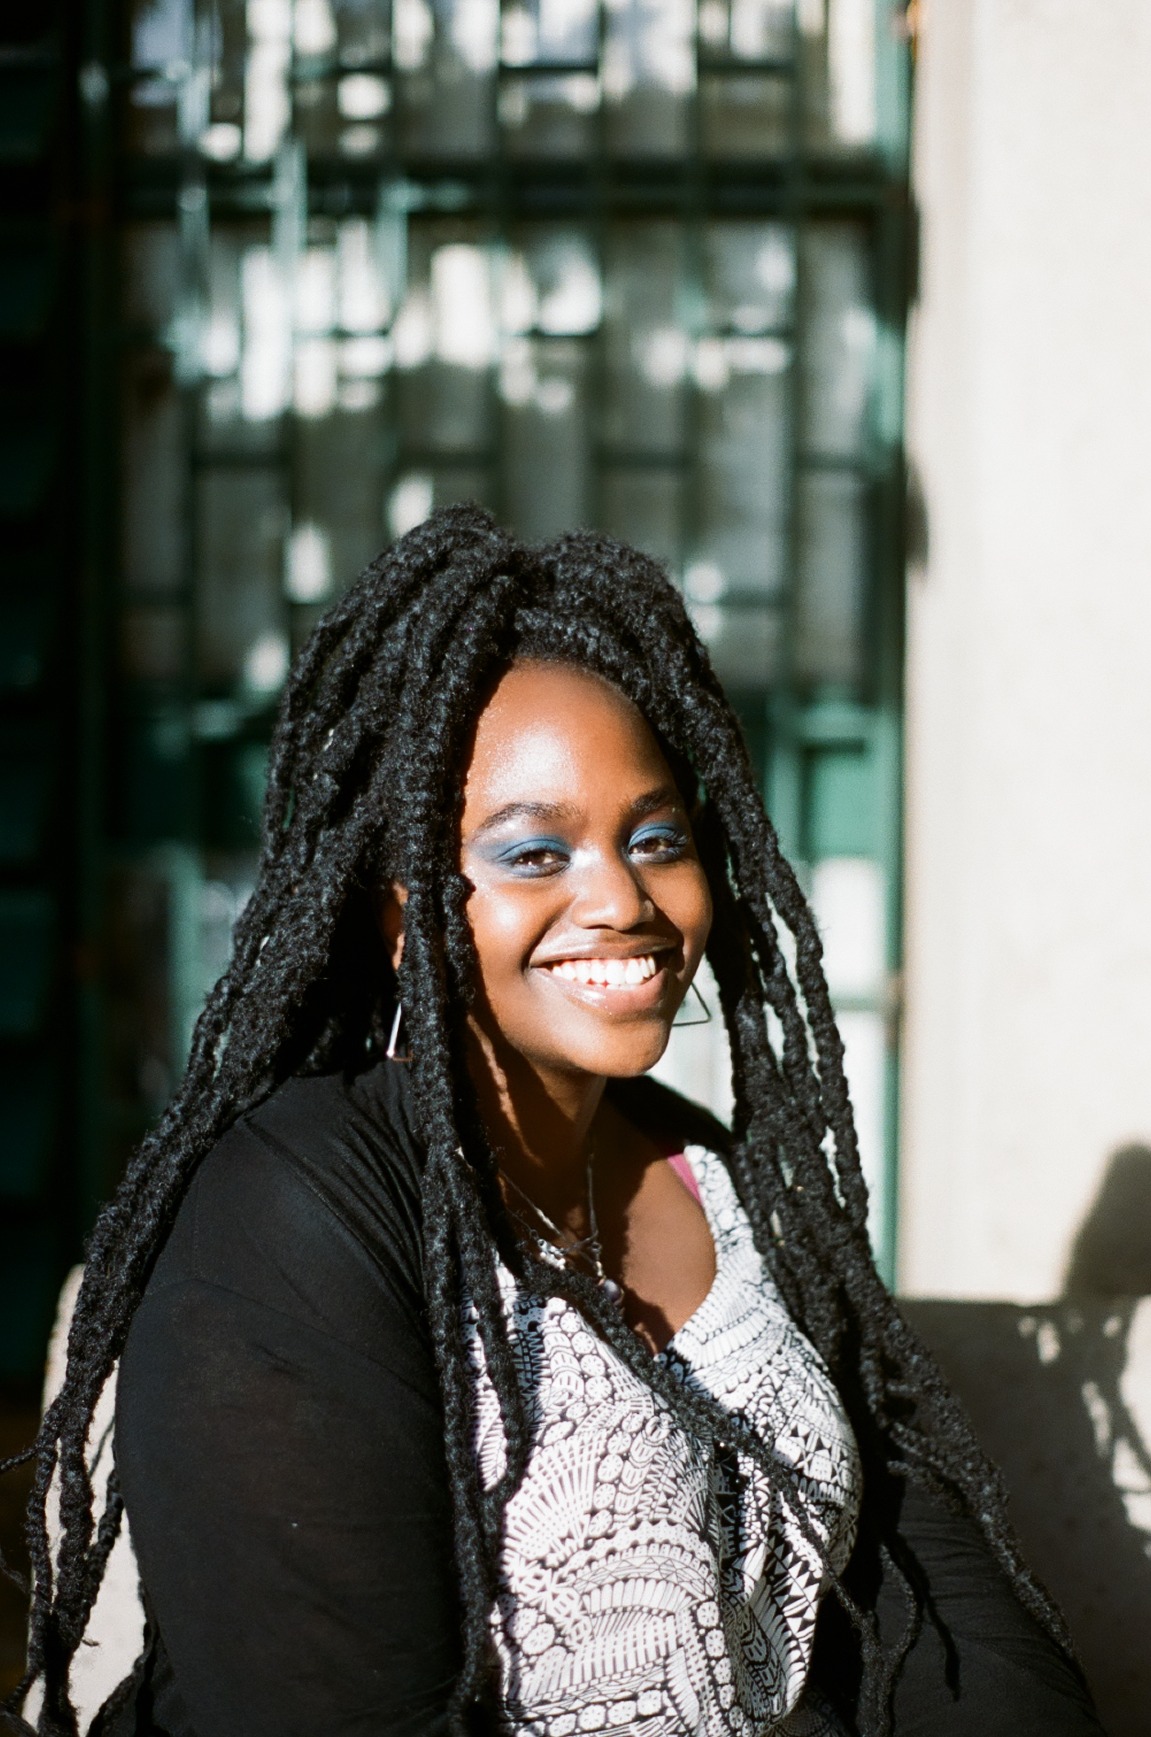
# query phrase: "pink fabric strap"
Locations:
[[679, 1163]]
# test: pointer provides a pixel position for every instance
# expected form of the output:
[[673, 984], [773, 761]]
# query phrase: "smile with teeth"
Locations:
[[606, 973]]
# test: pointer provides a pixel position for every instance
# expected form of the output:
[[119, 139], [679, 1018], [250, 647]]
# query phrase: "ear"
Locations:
[[389, 907]]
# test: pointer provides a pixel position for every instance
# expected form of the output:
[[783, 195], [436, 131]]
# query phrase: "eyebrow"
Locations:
[[557, 812]]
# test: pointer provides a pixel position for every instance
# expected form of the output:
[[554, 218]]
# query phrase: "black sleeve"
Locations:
[[280, 1448], [981, 1665]]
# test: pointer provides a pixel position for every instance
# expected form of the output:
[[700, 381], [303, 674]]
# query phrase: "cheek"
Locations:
[[503, 930], [693, 916]]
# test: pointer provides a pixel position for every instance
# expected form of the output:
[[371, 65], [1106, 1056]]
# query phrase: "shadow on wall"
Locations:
[[1111, 1256], [1060, 1395]]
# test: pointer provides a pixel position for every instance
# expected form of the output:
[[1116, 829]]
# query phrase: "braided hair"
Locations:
[[364, 785]]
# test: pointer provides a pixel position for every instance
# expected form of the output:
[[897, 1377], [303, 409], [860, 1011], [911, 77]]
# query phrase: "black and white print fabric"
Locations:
[[649, 1584]]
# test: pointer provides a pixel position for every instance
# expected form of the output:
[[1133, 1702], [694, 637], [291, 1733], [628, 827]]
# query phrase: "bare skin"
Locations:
[[578, 851]]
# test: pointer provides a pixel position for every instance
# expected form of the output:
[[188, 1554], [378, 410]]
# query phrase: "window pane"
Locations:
[[153, 645], [350, 116], [743, 457], [746, 29], [550, 114], [545, 453], [645, 346], [745, 644], [830, 578], [445, 340], [839, 53], [745, 114], [551, 282], [839, 350], [415, 492], [154, 455], [648, 71], [646, 507], [241, 348], [341, 487], [442, 46], [750, 275], [152, 277], [241, 633], [361, 29], [539, 32], [150, 117]]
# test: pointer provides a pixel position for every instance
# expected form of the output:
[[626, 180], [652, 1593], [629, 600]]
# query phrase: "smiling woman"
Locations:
[[586, 940], [607, 914], [469, 1381]]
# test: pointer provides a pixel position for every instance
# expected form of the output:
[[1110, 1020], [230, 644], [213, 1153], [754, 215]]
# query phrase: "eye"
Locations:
[[663, 843], [537, 856]]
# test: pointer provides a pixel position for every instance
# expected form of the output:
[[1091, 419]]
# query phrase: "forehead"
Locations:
[[552, 730]]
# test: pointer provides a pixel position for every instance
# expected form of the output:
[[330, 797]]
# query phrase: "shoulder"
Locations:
[[350, 1138], [668, 1116], [313, 1195]]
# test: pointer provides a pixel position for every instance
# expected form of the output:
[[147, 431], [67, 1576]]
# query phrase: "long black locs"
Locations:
[[364, 783]]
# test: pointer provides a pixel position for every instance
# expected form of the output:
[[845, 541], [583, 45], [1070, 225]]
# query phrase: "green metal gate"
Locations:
[[638, 264]]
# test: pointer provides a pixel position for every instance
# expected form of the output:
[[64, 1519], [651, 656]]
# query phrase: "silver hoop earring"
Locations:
[[392, 1051], [678, 1024]]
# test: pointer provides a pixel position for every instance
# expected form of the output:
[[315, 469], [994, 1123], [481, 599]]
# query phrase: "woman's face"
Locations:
[[588, 906]]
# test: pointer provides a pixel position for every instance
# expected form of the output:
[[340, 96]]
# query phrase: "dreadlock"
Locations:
[[364, 784]]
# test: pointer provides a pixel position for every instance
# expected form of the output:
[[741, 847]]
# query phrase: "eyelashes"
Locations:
[[659, 843], [534, 857]]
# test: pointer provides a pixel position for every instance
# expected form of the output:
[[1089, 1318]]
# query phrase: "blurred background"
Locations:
[[839, 307], [291, 274]]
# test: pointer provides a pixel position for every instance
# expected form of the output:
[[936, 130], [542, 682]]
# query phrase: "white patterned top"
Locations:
[[649, 1583]]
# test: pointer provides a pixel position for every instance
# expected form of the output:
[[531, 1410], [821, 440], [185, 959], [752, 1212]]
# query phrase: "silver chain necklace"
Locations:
[[588, 1248]]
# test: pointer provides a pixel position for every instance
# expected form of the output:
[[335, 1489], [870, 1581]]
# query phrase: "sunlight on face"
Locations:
[[589, 907]]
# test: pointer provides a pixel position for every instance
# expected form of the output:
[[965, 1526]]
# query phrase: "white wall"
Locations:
[[1027, 1053]]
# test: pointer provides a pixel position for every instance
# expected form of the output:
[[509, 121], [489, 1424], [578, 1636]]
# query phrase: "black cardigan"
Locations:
[[280, 1449]]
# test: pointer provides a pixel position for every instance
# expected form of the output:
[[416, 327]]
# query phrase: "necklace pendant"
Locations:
[[612, 1292]]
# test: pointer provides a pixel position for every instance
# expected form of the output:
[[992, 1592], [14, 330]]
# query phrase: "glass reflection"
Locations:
[[648, 73], [543, 32], [153, 509], [646, 348], [839, 355], [442, 46], [341, 73], [634, 376], [240, 632], [743, 461], [545, 450], [746, 29], [745, 644], [830, 578], [749, 275]]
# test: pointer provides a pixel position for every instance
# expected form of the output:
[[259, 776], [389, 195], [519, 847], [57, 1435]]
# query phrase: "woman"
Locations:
[[469, 1381]]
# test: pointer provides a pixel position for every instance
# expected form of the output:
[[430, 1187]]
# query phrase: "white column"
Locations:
[[1027, 1055]]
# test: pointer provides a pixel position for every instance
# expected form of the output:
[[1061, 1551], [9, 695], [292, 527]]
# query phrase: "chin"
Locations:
[[622, 1059]]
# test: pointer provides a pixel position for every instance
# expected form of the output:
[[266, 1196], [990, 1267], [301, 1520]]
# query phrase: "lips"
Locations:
[[606, 973]]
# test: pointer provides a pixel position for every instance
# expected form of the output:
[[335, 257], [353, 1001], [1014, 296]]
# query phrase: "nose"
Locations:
[[610, 894]]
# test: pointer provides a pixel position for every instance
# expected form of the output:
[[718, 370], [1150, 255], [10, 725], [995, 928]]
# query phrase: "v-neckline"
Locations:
[[706, 1299]]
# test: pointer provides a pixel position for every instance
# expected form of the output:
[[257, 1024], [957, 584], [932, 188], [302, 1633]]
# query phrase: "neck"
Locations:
[[540, 1124]]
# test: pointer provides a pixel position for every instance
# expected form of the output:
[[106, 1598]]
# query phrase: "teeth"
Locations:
[[606, 973]]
